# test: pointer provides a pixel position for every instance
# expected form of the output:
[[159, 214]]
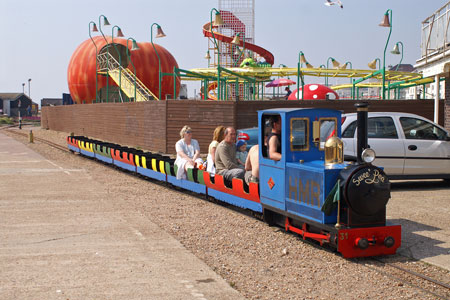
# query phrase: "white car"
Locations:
[[407, 146]]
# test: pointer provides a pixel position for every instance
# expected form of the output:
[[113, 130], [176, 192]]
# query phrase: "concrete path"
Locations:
[[60, 238], [423, 209]]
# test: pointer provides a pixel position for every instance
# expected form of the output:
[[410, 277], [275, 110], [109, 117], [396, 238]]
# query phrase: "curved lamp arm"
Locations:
[[134, 47], [94, 29], [396, 51], [387, 14], [157, 54], [218, 52]]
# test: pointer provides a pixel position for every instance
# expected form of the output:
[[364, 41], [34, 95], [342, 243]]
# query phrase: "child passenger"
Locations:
[[241, 152]]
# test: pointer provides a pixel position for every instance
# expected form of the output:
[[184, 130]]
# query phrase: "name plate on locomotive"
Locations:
[[371, 176]]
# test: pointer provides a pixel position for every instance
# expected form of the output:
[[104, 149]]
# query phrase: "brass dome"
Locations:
[[334, 151]]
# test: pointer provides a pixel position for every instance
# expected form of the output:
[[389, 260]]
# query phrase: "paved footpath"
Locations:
[[423, 209], [60, 238]]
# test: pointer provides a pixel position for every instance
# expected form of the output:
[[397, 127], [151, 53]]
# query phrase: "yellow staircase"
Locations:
[[124, 78]]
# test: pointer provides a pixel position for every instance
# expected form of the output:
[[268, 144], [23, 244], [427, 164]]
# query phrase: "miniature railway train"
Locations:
[[311, 191]]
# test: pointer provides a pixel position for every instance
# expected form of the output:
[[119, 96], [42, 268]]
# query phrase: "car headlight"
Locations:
[[368, 155]]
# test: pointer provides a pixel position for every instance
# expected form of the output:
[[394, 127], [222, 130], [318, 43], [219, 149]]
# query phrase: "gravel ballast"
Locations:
[[259, 261]]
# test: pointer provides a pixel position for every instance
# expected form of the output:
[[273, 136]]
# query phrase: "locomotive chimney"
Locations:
[[361, 142]]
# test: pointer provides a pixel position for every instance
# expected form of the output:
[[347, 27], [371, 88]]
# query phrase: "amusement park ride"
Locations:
[[111, 69]]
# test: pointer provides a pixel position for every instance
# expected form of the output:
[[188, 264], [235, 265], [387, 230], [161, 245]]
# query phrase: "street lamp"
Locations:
[[301, 59], [397, 51], [119, 34], [133, 48], [344, 65], [237, 42], [29, 92], [208, 57], [94, 29], [373, 64], [387, 22], [106, 23], [159, 34], [217, 22], [335, 65]]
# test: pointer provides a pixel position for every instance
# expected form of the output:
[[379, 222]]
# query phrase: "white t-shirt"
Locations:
[[189, 150]]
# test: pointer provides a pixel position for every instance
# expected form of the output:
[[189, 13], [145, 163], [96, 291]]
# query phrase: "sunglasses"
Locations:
[[188, 131]]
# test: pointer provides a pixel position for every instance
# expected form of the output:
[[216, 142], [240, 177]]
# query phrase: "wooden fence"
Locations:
[[155, 125]]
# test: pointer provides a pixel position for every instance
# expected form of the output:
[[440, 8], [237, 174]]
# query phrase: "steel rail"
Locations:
[[54, 145]]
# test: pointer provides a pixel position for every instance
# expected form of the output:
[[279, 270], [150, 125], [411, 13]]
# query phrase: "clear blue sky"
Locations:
[[39, 37]]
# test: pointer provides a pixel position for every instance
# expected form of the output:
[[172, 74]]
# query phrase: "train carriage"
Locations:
[[310, 191]]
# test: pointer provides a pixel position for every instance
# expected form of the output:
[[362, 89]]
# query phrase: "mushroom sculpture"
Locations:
[[314, 92]]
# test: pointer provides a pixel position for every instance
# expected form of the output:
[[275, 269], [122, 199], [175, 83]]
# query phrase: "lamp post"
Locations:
[[159, 34], [344, 65], [208, 57], [29, 90], [373, 64], [94, 29], [106, 23], [335, 64], [236, 41], [387, 22], [301, 59], [217, 22], [397, 52], [119, 34], [133, 48]]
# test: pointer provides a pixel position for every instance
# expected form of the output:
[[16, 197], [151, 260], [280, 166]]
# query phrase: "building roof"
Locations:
[[403, 68], [51, 99], [12, 96]]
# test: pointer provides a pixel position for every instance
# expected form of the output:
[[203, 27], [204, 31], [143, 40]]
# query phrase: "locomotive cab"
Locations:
[[298, 182]]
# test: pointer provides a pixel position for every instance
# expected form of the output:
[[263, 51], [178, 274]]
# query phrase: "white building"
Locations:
[[435, 58]]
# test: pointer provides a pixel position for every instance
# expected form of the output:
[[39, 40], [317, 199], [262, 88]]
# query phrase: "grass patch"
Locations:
[[6, 120]]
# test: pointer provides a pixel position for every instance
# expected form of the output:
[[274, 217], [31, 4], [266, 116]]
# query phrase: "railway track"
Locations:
[[26, 135], [404, 276]]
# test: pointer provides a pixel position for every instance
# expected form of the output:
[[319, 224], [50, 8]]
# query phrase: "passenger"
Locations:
[[241, 152], [288, 92], [274, 139], [217, 138], [188, 152], [252, 165], [226, 163]]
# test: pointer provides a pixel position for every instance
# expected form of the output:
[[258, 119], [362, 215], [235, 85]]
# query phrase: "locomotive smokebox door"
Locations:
[[366, 193]]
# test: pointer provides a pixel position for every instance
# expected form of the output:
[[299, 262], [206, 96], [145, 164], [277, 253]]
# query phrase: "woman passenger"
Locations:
[[217, 138], [188, 152]]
